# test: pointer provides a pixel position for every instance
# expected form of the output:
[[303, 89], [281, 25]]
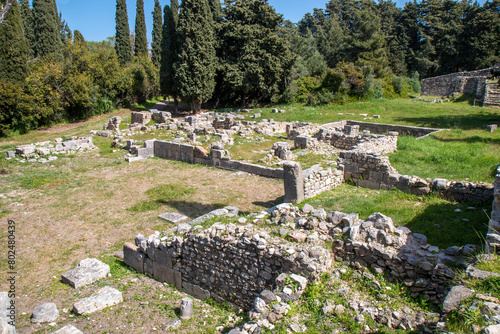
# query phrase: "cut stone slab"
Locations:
[[46, 312], [455, 297], [69, 329], [103, 298], [173, 217], [88, 271], [493, 329], [173, 323], [7, 314]]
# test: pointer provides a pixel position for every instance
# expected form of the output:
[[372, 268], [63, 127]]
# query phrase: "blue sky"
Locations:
[[96, 18]]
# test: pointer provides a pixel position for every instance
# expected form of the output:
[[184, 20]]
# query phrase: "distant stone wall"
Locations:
[[380, 128], [375, 171], [461, 82], [232, 263], [318, 180]]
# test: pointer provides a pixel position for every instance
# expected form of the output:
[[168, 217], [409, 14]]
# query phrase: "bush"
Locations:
[[16, 111], [398, 84]]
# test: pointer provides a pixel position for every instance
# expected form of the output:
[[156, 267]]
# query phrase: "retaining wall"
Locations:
[[381, 128], [493, 236], [225, 262], [318, 180], [460, 82]]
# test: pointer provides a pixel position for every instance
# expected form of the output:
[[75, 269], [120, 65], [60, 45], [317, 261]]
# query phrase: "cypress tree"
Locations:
[[141, 40], [195, 68], [46, 28], [122, 42], [170, 51], [216, 10], [78, 37], [157, 34], [13, 47], [27, 16], [65, 31]]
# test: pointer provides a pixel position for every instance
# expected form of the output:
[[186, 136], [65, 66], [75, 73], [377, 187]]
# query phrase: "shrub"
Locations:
[[16, 111]]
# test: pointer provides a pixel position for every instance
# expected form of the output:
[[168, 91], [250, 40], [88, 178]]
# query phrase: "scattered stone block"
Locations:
[[492, 329], [173, 323], [46, 312], [173, 217], [186, 308], [69, 329], [103, 298], [492, 127], [455, 297], [11, 154], [88, 271]]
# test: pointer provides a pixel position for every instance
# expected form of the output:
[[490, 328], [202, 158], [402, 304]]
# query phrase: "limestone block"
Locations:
[[133, 257], [69, 329], [187, 153], [46, 312], [173, 217], [195, 291], [294, 182], [455, 297], [88, 271], [186, 308], [103, 298]]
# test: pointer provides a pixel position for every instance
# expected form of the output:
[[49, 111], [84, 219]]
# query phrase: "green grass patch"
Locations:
[[35, 178], [162, 195], [429, 215], [433, 157], [491, 264]]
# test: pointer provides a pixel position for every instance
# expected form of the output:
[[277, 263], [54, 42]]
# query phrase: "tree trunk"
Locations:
[[176, 105]]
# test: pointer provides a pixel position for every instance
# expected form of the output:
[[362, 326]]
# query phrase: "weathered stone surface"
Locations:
[[133, 256], [88, 271], [294, 183], [7, 314], [195, 291], [493, 329], [103, 298], [69, 329], [173, 323], [186, 308], [173, 217], [46, 312], [455, 297]]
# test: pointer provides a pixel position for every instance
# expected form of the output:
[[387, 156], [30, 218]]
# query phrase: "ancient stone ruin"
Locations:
[[479, 83]]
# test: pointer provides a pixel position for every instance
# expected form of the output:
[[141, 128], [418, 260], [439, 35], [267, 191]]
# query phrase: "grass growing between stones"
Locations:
[[444, 223]]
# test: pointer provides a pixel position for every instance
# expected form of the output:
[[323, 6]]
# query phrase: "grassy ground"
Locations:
[[431, 215]]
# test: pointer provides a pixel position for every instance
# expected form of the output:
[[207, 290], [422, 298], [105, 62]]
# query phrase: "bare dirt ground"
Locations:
[[82, 206]]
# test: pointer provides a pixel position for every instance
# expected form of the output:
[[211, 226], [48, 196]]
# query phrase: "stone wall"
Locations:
[[493, 236], [318, 180], [375, 171], [232, 263], [380, 128], [217, 157], [43, 151], [461, 82]]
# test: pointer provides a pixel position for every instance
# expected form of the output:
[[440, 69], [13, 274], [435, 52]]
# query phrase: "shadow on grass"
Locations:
[[464, 122], [271, 203], [445, 227], [469, 140]]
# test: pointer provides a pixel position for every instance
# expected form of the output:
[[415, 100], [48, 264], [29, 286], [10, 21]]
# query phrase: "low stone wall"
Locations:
[[377, 244], [230, 262], [493, 236], [318, 180], [380, 128], [375, 171], [37, 151], [216, 157]]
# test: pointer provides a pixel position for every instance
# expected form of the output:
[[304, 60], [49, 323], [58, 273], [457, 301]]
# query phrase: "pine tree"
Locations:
[[195, 68], [216, 10], [157, 34], [27, 16], [122, 42], [46, 28], [141, 40], [170, 51], [13, 47], [256, 58]]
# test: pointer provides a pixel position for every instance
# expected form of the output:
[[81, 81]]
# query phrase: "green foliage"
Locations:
[[170, 49], [255, 58], [14, 50], [194, 70], [122, 42], [16, 111], [157, 35], [64, 30], [46, 28], [27, 17], [141, 40]]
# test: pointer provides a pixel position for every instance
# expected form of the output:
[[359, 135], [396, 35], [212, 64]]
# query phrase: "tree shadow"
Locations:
[[464, 122], [271, 203], [445, 227], [469, 140]]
